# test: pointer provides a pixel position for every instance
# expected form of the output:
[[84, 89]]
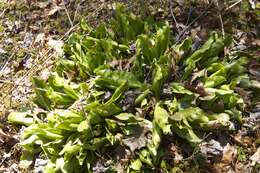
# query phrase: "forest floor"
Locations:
[[31, 31]]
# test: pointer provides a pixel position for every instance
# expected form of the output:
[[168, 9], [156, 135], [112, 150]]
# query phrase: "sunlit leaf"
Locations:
[[21, 118]]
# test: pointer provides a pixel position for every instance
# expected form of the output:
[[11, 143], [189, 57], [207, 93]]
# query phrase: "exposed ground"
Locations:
[[30, 31]]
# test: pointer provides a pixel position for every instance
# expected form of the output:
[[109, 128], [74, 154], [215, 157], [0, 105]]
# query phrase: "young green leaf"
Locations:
[[161, 118], [21, 118]]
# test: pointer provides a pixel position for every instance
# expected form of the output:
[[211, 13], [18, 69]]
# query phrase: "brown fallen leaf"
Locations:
[[175, 151], [255, 158], [244, 94], [228, 157], [4, 137], [229, 154], [256, 42], [242, 139], [54, 10], [137, 140]]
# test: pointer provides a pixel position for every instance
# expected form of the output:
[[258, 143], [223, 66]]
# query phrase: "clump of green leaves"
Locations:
[[125, 85]]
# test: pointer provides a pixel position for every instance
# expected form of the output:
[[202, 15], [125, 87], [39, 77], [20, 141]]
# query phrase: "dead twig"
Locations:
[[222, 25], [190, 12], [173, 16], [3, 12], [68, 15], [221, 20], [11, 83], [76, 13], [231, 6], [196, 148], [179, 36], [8, 60]]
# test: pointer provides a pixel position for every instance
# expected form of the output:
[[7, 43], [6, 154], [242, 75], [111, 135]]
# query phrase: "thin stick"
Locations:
[[222, 25], [76, 13], [9, 59], [190, 12], [68, 15], [174, 19], [231, 6], [192, 22], [195, 151], [3, 12], [221, 21], [12, 83]]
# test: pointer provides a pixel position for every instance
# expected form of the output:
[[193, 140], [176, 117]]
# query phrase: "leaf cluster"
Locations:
[[126, 84]]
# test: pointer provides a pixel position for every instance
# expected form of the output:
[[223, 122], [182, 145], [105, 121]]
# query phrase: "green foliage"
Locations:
[[91, 104], [242, 154]]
